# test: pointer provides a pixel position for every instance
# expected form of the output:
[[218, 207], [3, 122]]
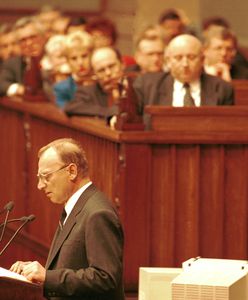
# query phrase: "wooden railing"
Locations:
[[181, 190], [241, 91]]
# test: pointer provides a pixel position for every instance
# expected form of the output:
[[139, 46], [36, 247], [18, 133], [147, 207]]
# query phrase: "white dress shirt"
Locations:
[[74, 198], [179, 93]]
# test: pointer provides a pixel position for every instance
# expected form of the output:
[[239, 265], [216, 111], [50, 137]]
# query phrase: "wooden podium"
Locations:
[[14, 289]]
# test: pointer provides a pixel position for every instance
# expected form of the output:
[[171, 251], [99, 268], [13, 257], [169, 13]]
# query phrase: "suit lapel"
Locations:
[[208, 94], [52, 246], [61, 235], [165, 91]]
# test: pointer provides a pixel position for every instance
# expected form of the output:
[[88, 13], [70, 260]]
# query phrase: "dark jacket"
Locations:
[[85, 259]]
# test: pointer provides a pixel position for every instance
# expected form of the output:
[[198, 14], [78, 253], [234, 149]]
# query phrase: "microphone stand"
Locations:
[[29, 219], [7, 207]]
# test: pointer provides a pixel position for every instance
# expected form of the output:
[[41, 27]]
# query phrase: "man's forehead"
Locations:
[[146, 45], [103, 54], [49, 155], [221, 41]]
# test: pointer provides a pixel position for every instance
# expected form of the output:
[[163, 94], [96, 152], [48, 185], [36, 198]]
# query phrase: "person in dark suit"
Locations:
[[185, 61], [99, 98], [85, 258], [220, 51], [21, 75]]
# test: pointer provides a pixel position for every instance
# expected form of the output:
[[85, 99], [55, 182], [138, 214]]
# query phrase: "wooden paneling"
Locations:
[[181, 190], [240, 91]]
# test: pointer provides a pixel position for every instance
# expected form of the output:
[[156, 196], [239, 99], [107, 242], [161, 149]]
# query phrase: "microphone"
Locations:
[[26, 220], [8, 207], [22, 219]]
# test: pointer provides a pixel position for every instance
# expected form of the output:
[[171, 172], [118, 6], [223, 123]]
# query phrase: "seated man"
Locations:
[[149, 55], [20, 75], [220, 48], [186, 83], [99, 98]]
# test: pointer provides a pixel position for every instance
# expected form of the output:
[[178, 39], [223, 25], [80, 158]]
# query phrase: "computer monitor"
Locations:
[[155, 283], [204, 278]]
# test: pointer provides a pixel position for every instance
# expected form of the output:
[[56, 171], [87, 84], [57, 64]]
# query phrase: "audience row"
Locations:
[[74, 63]]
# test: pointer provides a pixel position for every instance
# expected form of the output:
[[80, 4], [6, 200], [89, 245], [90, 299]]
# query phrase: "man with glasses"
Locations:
[[220, 50], [85, 258], [21, 75], [186, 79]]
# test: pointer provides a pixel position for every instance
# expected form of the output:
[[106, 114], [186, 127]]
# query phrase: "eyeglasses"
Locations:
[[45, 177]]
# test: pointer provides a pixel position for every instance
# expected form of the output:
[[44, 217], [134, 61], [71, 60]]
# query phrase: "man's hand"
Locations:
[[18, 266], [33, 271]]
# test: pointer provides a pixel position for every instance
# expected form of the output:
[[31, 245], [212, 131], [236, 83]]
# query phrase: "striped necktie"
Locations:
[[188, 100]]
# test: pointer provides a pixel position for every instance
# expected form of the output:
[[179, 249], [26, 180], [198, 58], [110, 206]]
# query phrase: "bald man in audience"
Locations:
[[186, 84], [99, 99]]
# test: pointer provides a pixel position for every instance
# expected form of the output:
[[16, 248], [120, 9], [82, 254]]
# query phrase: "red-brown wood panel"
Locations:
[[181, 192], [235, 210], [134, 185], [187, 203], [13, 161], [212, 178], [163, 206]]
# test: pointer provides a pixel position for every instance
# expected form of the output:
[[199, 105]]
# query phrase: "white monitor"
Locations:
[[219, 279], [155, 283]]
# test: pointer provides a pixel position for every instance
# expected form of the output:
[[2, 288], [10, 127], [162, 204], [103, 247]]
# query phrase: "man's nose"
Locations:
[[40, 184], [185, 61], [108, 71]]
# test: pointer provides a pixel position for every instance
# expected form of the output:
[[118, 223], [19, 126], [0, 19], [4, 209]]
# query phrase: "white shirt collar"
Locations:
[[179, 92], [74, 198]]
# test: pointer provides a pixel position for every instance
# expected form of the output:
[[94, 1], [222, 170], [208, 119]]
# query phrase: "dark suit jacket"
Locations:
[[11, 72], [85, 259], [238, 71], [64, 91], [90, 100], [157, 89]]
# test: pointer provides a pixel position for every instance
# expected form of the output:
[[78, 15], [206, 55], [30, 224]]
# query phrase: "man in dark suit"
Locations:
[[20, 75], [184, 58], [85, 258], [220, 50], [99, 99]]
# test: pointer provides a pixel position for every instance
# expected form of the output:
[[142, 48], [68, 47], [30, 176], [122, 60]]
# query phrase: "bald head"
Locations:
[[184, 57], [185, 40]]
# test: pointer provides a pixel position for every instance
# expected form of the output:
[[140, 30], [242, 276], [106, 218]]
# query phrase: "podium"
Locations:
[[14, 289]]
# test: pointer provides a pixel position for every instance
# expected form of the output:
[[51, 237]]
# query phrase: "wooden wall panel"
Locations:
[[211, 197], [180, 193], [13, 161], [163, 206], [235, 210], [134, 177], [187, 202]]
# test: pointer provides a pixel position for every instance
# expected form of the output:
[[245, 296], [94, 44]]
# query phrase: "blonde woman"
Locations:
[[79, 45]]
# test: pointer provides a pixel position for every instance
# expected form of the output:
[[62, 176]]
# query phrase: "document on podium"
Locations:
[[9, 274]]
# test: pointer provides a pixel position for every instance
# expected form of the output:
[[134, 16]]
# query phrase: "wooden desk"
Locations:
[[180, 193], [240, 91]]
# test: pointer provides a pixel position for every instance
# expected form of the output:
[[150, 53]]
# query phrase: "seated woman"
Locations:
[[78, 49]]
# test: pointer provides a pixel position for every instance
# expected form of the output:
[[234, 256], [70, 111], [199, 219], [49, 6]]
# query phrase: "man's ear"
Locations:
[[73, 171]]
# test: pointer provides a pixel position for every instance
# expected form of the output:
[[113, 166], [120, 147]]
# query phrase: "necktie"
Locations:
[[188, 99], [62, 219]]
